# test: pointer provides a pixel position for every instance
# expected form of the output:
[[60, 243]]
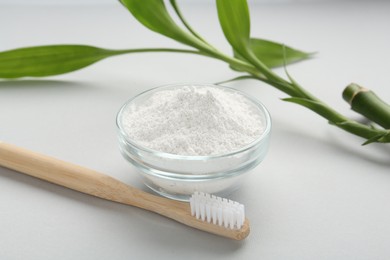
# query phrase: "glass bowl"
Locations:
[[177, 176]]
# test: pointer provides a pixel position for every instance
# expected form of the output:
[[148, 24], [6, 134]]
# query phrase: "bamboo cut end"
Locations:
[[351, 91]]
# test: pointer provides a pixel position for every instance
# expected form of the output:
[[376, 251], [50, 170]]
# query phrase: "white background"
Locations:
[[317, 195], [110, 2]]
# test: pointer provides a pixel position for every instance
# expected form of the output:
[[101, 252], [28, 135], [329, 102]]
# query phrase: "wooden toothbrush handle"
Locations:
[[68, 175]]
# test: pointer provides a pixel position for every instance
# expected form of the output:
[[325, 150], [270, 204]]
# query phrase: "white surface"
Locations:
[[318, 194]]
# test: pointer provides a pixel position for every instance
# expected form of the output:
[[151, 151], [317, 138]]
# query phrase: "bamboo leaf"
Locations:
[[272, 53], [49, 60], [235, 22], [154, 15]]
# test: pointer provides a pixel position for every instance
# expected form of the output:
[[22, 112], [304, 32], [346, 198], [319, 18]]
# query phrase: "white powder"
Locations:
[[193, 120]]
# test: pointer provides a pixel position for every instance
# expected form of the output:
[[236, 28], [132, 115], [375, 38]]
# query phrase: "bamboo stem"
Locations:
[[368, 104]]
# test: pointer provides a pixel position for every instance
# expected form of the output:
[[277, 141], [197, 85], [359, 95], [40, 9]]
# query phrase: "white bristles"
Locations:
[[217, 210]]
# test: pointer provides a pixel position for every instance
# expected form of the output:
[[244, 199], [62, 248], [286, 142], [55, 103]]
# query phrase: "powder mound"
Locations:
[[193, 120]]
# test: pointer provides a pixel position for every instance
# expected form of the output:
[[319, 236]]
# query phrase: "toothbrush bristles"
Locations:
[[217, 210]]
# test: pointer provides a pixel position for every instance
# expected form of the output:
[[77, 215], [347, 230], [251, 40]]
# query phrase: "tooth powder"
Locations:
[[194, 121]]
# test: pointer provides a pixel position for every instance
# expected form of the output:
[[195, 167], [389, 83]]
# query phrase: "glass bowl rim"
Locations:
[[247, 147]]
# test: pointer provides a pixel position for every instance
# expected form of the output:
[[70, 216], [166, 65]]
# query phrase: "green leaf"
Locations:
[[49, 60], [41, 61], [154, 15], [271, 53], [235, 22]]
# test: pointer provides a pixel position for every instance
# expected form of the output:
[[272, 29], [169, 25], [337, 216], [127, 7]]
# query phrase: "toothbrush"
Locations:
[[204, 212]]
